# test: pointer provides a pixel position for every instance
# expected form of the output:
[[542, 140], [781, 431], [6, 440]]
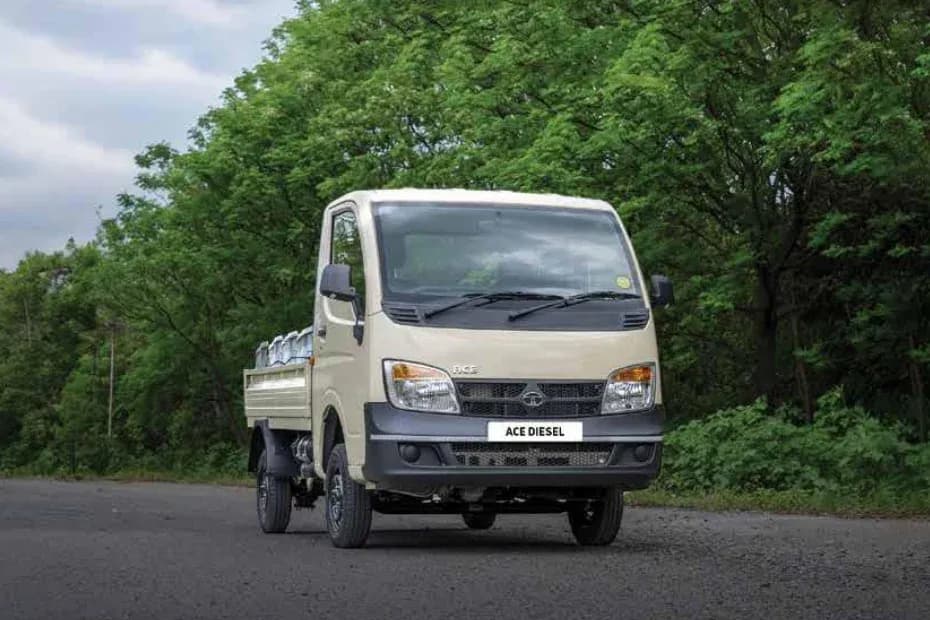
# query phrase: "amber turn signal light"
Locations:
[[632, 374]]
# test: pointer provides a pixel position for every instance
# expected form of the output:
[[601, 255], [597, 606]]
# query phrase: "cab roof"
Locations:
[[411, 195]]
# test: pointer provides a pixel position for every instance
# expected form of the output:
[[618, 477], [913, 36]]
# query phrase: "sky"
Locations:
[[86, 84]]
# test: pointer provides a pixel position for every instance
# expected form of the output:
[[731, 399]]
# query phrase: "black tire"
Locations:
[[348, 505], [479, 520], [273, 499], [597, 522]]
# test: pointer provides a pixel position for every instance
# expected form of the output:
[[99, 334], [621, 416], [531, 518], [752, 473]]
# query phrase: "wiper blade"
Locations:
[[470, 298], [573, 300]]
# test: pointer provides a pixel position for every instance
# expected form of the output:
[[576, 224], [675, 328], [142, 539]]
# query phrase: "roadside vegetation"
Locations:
[[771, 157], [751, 457]]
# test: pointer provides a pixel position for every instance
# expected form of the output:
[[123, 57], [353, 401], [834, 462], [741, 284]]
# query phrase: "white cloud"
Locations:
[[52, 181], [30, 55], [86, 84], [42, 144], [210, 12]]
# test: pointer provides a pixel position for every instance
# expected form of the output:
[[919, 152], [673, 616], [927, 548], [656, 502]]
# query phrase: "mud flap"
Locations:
[[279, 459]]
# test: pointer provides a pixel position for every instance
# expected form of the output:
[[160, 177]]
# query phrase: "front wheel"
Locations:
[[479, 520], [273, 498], [348, 506], [597, 522]]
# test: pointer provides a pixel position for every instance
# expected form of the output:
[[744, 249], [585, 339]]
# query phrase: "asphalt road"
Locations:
[[113, 550]]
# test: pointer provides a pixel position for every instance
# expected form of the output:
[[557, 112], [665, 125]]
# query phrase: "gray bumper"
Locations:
[[389, 429]]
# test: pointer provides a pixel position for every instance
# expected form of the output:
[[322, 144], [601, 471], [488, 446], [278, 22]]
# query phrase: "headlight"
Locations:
[[630, 389], [419, 387]]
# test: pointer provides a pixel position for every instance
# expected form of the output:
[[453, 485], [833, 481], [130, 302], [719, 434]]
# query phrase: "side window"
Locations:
[[346, 248]]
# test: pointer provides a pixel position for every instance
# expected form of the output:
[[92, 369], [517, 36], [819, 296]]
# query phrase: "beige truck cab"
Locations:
[[475, 353]]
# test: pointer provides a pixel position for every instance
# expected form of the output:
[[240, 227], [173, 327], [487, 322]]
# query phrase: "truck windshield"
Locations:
[[452, 250]]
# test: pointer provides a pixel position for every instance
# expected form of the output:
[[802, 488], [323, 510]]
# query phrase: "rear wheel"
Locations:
[[479, 520], [597, 522], [348, 506], [273, 499]]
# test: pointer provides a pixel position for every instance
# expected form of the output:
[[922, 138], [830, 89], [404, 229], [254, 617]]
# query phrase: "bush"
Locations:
[[744, 448], [752, 448], [918, 461]]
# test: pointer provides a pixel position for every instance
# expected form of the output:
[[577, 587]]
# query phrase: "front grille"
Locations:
[[560, 399], [573, 390], [518, 410], [484, 391], [532, 454]]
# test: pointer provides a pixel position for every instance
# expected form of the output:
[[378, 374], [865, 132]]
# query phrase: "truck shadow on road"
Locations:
[[464, 540]]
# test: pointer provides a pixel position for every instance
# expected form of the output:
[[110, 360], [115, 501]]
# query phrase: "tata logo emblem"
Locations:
[[464, 369], [532, 398]]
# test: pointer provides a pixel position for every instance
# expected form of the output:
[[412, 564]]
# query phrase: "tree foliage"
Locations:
[[770, 155]]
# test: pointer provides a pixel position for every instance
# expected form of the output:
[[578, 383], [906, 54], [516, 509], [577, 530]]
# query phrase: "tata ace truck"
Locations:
[[477, 353]]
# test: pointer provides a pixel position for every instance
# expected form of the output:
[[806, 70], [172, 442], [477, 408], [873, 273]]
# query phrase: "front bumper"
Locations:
[[388, 430]]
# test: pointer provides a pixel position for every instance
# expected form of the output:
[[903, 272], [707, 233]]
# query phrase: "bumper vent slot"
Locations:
[[532, 454]]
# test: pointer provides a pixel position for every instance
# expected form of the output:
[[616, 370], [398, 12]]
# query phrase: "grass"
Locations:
[[879, 505], [195, 477], [139, 475]]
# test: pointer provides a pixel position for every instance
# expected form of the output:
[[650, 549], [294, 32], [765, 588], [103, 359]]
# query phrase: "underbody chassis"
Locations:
[[499, 500]]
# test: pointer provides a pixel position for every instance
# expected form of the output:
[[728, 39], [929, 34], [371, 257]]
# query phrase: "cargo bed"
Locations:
[[279, 394]]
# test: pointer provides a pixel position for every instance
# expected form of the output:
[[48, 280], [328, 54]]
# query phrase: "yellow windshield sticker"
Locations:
[[624, 282]]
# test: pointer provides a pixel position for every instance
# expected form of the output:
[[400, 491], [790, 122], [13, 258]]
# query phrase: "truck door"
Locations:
[[340, 371]]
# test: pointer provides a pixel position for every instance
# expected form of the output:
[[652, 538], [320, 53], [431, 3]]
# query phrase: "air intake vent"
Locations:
[[408, 315], [502, 399], [635, 320]]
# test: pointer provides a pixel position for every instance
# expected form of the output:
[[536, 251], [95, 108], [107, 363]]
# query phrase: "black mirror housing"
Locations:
[[662, 292], [335, 283]]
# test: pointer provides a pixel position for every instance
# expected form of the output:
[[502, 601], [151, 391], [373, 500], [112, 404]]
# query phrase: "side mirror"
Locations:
[[334, 283], [662, 292]]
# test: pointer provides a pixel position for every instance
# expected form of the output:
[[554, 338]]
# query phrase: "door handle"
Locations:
[[321, 331]]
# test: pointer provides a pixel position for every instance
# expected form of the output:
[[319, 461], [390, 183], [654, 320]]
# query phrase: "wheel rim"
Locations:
[[334, 499]]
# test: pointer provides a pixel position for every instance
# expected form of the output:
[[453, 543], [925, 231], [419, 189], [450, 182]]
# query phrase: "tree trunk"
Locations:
[[28, 321], [223, 409], [96, 384], [112, 377], [800, 368], [765, 333], [917, 393]]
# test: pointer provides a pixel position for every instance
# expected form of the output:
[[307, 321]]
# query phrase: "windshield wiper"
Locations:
[[573, 300], [488, 298]]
